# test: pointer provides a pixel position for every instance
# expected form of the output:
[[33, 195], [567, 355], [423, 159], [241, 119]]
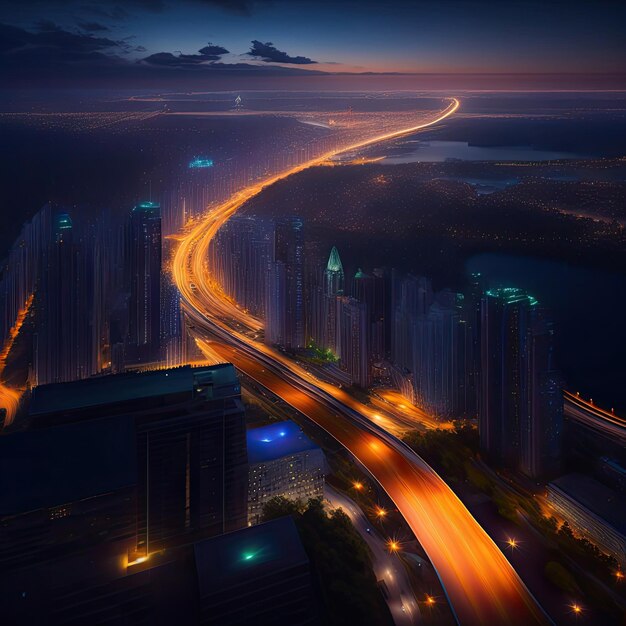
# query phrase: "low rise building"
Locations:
[[283, 461], [592, 510]]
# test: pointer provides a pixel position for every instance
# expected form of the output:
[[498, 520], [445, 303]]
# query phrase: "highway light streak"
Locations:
[[479, 581], [10, 396]]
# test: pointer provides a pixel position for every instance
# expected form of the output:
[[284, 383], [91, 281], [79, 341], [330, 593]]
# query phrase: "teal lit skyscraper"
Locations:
[[521, 404]]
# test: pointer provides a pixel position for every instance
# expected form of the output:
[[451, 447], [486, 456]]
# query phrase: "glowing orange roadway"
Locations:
[[10, 396], [480, 583]]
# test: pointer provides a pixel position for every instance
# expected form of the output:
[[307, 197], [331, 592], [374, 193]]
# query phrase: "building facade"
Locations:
[[282, 462]]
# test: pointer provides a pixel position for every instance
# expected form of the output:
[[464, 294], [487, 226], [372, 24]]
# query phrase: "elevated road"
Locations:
[[481, 585], [588, 414]]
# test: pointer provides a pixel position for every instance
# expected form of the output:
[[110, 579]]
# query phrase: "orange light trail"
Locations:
[[10, 396], [481, 585]]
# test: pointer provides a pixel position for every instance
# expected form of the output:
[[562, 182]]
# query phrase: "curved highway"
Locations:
[[481, 585]]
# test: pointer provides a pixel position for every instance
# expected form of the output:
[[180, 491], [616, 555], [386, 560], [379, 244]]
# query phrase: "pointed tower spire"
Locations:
[[334, 262], [334, 274]]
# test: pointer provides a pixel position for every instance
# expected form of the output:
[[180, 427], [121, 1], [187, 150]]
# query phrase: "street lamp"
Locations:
[[512, 543], [393, 545]]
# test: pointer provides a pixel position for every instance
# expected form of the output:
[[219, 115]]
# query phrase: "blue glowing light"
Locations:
[[199, 163], [275, 441]]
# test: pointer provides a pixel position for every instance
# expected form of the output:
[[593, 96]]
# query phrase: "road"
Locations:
[[480, 583], [10, 396], [586, 412], [401, 599]]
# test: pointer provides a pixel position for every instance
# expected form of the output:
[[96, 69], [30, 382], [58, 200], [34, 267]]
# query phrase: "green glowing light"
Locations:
[[146, 206], [248, 556], [334, 262], [511, 295]]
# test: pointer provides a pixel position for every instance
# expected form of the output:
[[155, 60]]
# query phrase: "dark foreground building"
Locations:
[[110, 472], [259, 576]]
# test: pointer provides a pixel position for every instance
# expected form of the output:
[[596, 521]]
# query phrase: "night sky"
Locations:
[[85, 43]]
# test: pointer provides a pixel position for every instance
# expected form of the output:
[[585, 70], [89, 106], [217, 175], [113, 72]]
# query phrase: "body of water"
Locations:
[[439, 151]]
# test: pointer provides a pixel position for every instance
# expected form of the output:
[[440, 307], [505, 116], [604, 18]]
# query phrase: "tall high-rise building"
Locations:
[[284, 311], [275, 307], [542, 430], [439, 367], [145, 281], [333, 274], [353, 340], [333, 286], [62, 340], [414, 295], [289, 250], [520, 405], [239, 257], [370, 289]]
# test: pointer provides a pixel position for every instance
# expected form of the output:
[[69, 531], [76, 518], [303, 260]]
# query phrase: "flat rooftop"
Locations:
[[241, 557], [595, 497], [117, 388], [46, 468], [276, 441]]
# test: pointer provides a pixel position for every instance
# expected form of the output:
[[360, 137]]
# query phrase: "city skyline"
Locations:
[[311, 313]]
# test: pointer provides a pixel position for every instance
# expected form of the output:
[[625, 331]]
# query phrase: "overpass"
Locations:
[[585, 412]]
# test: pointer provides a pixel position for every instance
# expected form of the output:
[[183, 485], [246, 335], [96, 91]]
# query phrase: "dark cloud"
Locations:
[[51, 48], [213, 50], [270, 54], [47, 26], [93, 27], [116, 12], [205, 55], [242, 7], [50, 55]]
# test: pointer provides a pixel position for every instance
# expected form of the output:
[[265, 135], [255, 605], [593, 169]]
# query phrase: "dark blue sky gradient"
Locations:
[[448, 36]]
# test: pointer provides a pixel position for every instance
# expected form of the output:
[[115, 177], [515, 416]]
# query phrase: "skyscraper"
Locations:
[[353, 340], [62, 340], [370, 289], [414, 297], [520, 405], [333, 287], [333, 275], [438, 355], [145, 281], [542, 430], [284, 309]]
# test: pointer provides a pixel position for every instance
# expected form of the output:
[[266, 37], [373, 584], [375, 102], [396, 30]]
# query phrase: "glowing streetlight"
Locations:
[[512, 543], [576, 609], [358, 486], [380, 512], [393, 545], [430, 601], [619, 575]]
